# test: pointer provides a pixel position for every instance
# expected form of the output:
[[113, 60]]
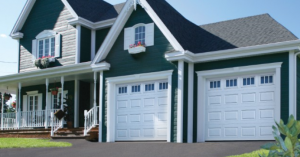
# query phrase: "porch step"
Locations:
[[65, 133], [93, 134], [26, 133]]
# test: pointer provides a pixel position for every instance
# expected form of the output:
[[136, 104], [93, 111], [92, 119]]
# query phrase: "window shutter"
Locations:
[[149, 38], [57, 45], [25, 103], [128, 37], [40, 101], [34, 50]]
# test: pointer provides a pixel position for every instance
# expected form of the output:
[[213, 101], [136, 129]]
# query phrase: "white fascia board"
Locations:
[[114, 32], [141, 77], [50, 72], [15, 34], [242, 69], [100, 67], [70, 9], [120, 22], [235, 53], [92, 25]]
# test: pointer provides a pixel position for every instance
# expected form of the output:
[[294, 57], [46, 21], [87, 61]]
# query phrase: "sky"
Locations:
[[198, 11]]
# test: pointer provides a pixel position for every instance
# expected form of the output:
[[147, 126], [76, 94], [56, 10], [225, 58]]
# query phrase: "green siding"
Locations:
[[185, 102], [280, 57], [153, 60], [298, 88], [69, 86], [100, 36], [47, 15], [85, 45]]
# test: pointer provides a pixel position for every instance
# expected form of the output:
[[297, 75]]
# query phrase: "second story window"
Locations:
[[140, 35], [47, 43]]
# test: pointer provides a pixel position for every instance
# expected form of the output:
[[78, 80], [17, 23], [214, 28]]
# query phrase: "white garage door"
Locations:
[[240, 108], [141, 111]]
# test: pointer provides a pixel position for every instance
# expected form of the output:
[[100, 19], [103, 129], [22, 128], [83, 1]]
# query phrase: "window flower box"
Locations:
[[44, 61], [137, 48]]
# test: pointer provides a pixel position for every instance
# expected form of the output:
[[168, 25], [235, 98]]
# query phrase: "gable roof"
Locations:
[[95, 10], [249, 31]]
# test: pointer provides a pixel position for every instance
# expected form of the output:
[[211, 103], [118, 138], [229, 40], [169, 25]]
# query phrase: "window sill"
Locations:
[[136, 50]]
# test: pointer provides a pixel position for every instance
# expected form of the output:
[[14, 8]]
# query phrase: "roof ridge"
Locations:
[[265, 14]]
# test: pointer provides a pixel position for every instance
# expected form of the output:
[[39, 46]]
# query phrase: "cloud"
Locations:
[[3, 36]]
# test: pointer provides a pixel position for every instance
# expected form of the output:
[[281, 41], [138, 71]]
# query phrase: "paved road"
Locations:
[[82, 148]]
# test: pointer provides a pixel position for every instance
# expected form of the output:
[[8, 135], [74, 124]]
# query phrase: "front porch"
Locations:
[[78, 92]]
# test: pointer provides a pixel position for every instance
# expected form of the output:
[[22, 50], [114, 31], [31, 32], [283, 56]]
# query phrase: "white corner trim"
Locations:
[[140, 77], [100, 66], [190, 102], [78, 44], [180, 102], [32, 92], [234, 53], [292, 78], [111, 87], [93, 44], [15, 34], [120, 22], [92, 25], [70, 9], [100, 106], [204, 75]]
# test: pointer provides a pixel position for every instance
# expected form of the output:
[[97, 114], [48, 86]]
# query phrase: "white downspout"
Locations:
[[295, 83]]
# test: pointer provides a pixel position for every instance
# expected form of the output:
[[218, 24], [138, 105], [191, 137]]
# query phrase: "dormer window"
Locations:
[[138, 37], [46, 44]]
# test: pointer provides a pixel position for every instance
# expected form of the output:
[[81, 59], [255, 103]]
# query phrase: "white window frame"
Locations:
[[58, 100], [44, 47], [203, 76], [34, 102]]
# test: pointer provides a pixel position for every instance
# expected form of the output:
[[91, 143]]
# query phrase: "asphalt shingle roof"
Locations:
[[95, 10], [249, 31]]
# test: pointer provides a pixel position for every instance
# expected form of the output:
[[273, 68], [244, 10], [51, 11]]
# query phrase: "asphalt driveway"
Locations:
[[82, 148]]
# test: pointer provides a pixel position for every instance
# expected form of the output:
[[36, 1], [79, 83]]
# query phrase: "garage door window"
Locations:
[[149, 87], [266, 80], [215, 84], [136, 89], [248, 81], [231, 83], [122, 90], [163, 85]]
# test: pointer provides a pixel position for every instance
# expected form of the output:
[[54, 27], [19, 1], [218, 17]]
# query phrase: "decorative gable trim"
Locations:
[[92, 25], [120, 23], [46, 34], [15, 34]]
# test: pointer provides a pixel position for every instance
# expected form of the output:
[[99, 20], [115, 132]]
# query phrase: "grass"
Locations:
[[252, 154], [30, 143]]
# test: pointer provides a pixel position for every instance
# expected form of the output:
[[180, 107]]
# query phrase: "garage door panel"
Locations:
[[141, 116], [240, 112]]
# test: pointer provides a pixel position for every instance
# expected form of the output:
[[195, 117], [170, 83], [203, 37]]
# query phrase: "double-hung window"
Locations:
[[47, 43], [140, 35]]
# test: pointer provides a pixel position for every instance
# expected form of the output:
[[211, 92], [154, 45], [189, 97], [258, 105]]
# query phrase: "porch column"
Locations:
[[47, 105], [19, 106], [100, 105], [62, 98], [180, 102], [2, 104], [95, 97]]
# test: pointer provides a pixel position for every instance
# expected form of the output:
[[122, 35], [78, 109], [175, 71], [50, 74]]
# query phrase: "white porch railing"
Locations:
[[32, 119], [9, 121], [90, 119], [56, 124]]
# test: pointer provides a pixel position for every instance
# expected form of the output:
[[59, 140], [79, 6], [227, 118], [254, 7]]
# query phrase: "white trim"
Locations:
[[100, 106], [70, 9], [190, 102], [46, 34], [53, 72], [78, 42], [32, 92], [15, 34], [93, 44], [101, 66], [47, 102], [292, 77], [180, 102], [169, 107], [204, 75], [111, 86], [234, 53], [92, 25], [120, 22]]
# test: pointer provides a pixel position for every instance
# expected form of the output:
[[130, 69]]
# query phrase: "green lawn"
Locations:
[[30, 143], [252, 154]]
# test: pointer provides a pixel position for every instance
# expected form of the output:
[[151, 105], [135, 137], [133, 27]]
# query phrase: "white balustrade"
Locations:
[[90, 119], [56, 124]]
